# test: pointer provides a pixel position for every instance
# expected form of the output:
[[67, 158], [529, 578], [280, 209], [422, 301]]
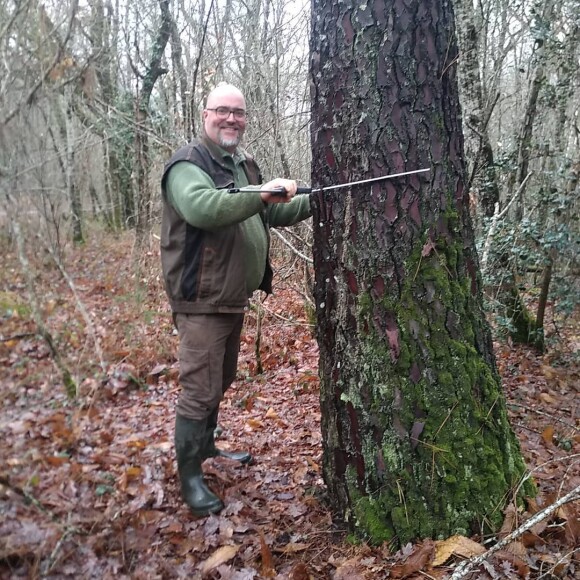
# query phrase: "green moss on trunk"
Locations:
[[438, 452]]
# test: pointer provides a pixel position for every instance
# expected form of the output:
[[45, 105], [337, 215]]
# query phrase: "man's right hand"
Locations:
[[288, 185]]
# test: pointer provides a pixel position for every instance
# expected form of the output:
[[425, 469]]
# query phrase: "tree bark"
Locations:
[[104, 32], [154, 71], [482, 183], [527, 127], [416, 439]]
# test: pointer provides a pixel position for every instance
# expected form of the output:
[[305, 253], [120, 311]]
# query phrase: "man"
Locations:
[[214, 253]]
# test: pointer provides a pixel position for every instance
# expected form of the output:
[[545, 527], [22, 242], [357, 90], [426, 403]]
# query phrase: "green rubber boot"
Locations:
[[189, 439], [210, 450]]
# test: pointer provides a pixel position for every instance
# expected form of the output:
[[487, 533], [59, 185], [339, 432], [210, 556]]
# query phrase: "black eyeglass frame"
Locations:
[[238, 114]]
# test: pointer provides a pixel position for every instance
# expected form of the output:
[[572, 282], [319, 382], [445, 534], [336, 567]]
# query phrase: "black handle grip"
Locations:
[[282, 192]]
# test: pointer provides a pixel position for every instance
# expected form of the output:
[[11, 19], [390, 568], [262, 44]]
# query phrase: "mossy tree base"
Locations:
[[416, 437], [524, 329]]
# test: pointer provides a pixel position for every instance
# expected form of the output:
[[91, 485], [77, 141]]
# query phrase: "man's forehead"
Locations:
[[225, 95]]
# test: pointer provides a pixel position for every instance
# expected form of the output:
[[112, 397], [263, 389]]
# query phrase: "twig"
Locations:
[[22, 493], [557, 563], [554, 418], [17, 336], [81, 307], [287, 243], [497, 215], [465, 567], [283, 319], [52, 559], [69, 382]]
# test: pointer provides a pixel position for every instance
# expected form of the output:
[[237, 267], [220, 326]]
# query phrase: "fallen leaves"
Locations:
[[419, 558], [105, 476]]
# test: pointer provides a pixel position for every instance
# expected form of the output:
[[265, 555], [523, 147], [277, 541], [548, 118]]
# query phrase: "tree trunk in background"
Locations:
[[416, 438], [482, 181], [524, 139], [71, 183], [180, 79], [523, 327], [65, 121], [103, 37], [142, 165], [555, 224]]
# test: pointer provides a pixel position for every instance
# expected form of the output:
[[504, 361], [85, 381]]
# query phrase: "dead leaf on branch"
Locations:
[[292, 548], [456, 546], [509, 522]]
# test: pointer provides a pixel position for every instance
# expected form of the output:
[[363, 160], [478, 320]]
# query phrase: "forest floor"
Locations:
[[88, 486]]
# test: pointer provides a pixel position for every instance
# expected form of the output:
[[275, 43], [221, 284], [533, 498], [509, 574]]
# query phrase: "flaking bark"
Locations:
[[416, 438]]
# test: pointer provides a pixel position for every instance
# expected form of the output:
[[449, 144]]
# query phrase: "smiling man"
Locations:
[[214, 255], [224, 117]]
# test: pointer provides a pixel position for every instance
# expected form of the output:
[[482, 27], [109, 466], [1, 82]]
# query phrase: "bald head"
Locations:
[[221, 92]]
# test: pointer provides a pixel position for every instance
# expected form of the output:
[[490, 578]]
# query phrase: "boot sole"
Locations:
[[200, 513], [245, 461]]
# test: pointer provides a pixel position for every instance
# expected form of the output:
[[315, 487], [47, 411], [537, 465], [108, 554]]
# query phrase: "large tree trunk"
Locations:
[[416, 437]]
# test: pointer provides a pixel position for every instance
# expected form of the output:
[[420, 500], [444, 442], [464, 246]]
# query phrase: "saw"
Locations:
[[302, 190]]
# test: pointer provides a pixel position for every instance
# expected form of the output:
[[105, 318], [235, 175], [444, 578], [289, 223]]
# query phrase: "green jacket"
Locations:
[[214, 244]]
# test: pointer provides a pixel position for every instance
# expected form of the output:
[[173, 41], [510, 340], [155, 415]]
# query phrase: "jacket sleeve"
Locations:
[[288, 214], [193, 194]]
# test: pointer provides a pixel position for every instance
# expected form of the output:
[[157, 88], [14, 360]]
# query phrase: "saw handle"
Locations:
[[279, 192], [282, 192]]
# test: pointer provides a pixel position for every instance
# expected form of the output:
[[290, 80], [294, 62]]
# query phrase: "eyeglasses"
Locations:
[[224, 112]]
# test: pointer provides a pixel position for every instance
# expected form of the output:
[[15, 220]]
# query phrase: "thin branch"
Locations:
[[287, 243], [552, 417], [17, 337], [465, 567], [191, 129], [497, 215], [69, 383], [81, 308], [21, 7]]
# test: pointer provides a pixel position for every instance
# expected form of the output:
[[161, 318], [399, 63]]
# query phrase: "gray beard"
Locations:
[[229, 142]]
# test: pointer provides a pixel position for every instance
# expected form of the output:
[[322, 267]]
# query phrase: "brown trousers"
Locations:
[[208, 360]]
